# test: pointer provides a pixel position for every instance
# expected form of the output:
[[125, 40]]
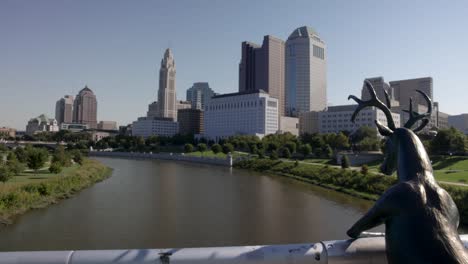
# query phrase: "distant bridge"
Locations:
[[47, 144], [367, 250]]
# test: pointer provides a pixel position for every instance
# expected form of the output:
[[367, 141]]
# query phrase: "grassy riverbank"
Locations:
[[27, 192], [367, 186]]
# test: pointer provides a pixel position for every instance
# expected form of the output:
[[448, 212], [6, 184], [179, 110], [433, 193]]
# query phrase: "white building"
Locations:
[[338, 118], [289, 124], [459, 122], [249, 113], [41, 124], [146, 127], [167, 101], [306, 72]]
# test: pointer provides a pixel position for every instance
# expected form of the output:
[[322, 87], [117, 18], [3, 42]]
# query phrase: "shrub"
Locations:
[[5, 173], [274, 155], [202, 147], [364, 169], [55, 168], [77, 157], [228, 147], [285, 153], [188, 148], [305, 149], [344, 162], [216, 148]]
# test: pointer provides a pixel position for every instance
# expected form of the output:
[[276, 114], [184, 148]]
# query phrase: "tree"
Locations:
[[261, 153], [305, 149], [21, 154], [216, 148], [344, 162], [77, 157], [291, 146], [362, 133], [14, 165], [253, 149], [285, 153], [202, 147], [449, 141], [61, 157], [55, 167], [364, 169], [228, 148], [5, 173], [37, 158], [327, 151], [274, 155], [188, 148]]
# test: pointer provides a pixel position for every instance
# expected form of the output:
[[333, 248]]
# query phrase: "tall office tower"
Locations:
[[306, 72], [380, 87], [85, 108], [64, 110], [262, 68], [404, 89], [167, 101], [199, 95]]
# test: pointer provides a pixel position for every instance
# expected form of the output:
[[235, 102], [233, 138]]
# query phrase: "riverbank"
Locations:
[[228, 161], [367, 186], [19, 197]]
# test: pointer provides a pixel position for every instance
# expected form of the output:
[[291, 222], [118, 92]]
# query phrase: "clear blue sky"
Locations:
[[52, 48]]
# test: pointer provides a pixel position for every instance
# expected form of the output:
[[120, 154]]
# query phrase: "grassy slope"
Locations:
[[369, 186], [27, 193], [211, 154]]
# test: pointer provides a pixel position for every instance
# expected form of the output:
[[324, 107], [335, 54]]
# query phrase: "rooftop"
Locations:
[[303, 32]]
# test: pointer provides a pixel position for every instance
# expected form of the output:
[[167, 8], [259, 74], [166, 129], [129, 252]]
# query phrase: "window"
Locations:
[[318, 52]]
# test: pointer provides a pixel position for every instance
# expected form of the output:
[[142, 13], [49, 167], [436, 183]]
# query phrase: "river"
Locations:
[[161, 204]]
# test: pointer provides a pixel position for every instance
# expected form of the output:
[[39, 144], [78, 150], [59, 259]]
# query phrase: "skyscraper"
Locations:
[[64, 109], [85, 108], [404, 89], [199, 94], [167, 101], [262, 68], [306, 72]]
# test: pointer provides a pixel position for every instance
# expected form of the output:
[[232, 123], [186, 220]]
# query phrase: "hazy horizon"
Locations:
[[54, 48]]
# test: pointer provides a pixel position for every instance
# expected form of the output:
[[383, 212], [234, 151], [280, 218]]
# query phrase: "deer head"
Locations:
[[390, 162]]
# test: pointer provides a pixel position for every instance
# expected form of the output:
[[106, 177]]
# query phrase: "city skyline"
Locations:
[[118, 56]]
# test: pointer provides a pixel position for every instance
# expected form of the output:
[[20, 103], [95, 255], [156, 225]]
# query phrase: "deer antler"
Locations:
[[374, 101], [415, 116]]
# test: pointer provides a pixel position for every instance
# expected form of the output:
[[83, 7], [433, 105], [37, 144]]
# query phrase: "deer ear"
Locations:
[[383, 130]]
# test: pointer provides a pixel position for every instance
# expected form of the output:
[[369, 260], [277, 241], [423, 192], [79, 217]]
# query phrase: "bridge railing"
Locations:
[[370, 250]]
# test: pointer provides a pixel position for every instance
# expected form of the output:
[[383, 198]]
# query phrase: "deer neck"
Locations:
[[413, 161]]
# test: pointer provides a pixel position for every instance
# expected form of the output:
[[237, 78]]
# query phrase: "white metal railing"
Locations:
[[368, 249]]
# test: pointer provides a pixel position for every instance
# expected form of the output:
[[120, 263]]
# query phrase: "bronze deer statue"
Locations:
[[420, 217]]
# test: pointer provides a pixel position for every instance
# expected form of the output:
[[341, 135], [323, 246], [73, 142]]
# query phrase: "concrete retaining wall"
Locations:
[[357, 159], [165, 156]]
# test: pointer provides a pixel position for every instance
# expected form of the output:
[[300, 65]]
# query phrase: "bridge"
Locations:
[[368, 249], [47, 144]]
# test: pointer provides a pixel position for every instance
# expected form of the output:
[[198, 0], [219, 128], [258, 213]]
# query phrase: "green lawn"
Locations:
[[43, 174], [449, 163], [321, 161], [207, 154], [446, 168]]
